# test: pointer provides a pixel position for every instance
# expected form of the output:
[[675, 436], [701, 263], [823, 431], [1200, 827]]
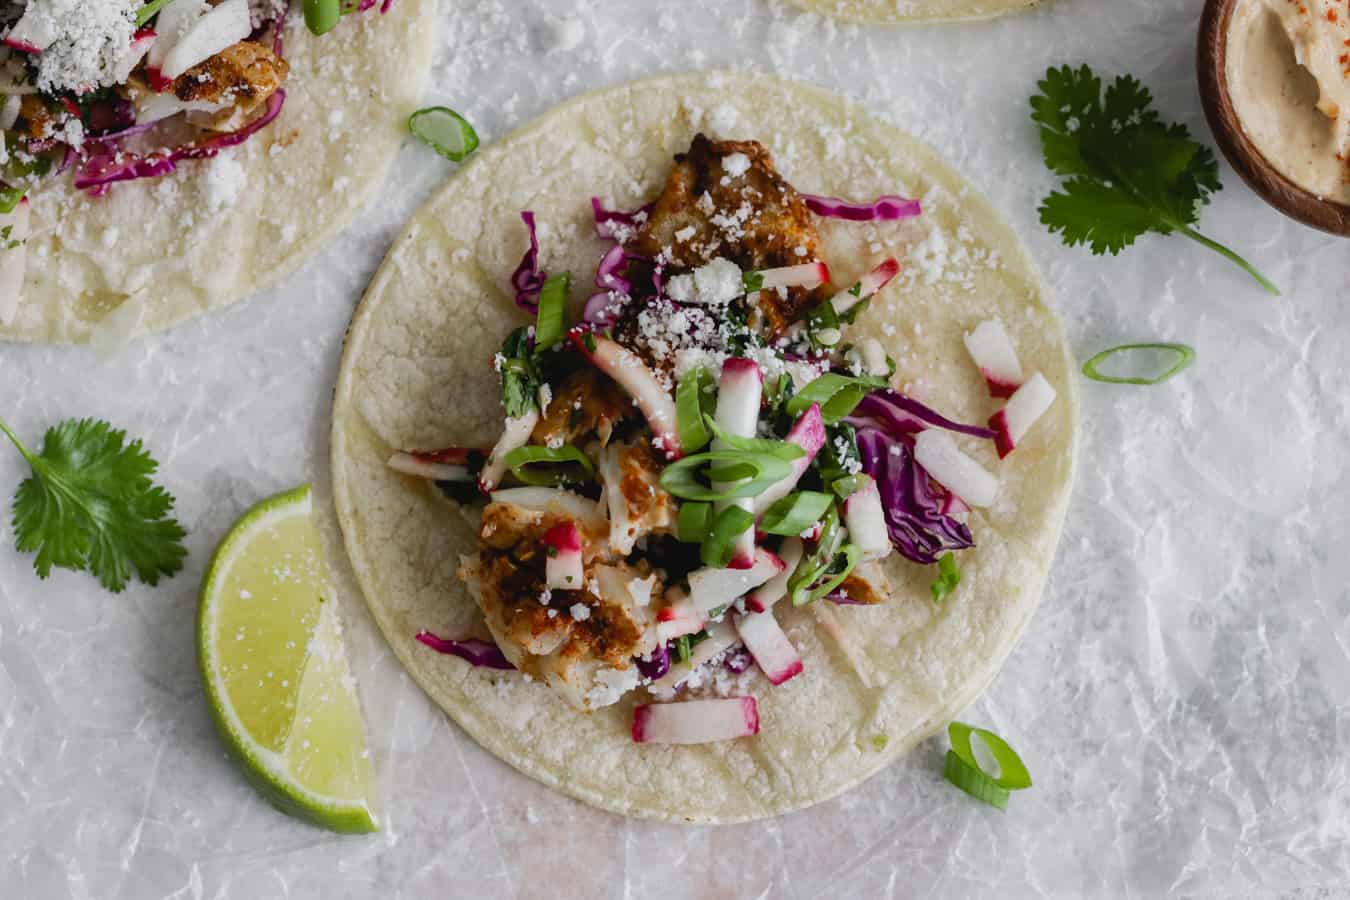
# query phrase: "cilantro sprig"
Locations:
[[1125, 172], [90, 505]]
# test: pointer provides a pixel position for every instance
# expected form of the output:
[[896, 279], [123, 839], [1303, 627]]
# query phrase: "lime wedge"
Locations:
[[269, 643]]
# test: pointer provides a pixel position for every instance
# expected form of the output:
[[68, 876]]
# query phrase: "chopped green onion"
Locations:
[[720, 544], [441, 128], [734, 472], [551, 325], [694, 523], [837, 395], [521, 379], [1185, 355], [840, 567], [322, 16], [10, 198], [964, 770], [549, 466], [822, 323], [694, 401], [147, 12], [949, 577], [857, 309], [795, 513], [829, 558], [780, 449], [682, 648], [848, 485], [681, 479]]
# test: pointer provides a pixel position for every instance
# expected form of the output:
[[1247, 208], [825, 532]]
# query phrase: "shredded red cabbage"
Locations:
[[918, 528], [527, 280], [472, 650], [611, 224], [882, 209], [657, 666], [893, 412], [737, 661]]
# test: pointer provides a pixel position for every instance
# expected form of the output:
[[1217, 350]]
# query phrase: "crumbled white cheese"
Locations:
[[611, 684], [580, 612], [85, 41], [736, 165]]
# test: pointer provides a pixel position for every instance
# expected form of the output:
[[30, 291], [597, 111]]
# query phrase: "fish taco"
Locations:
[[703, 446], [159, 160]]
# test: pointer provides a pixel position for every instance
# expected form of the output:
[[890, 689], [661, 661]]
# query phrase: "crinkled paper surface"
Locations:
[[1178, 698]]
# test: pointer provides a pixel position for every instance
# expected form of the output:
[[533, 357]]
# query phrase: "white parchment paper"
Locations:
[[1178, 699]]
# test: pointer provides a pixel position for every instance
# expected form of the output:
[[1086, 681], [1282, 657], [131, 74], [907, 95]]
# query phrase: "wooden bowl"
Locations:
[[1273, 187]]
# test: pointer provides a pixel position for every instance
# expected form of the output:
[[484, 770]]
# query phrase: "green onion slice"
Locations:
[[795, 513], [10, 198], [802, 586], [682, 648], [780, 449], [965, 771], [694, 401], [1184, 353], [949, 577], [849, 485], [322, 16], [839, 568], [694, 523], [439, 127], [549, 466], [838, 395], [551, 325], [719, 546], [147, 12], [681, 479]]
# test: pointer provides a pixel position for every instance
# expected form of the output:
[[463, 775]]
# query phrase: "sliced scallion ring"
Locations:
[[949, 577], [720, 544], [550, 466], [842, 564], [693, 402], [781, 449], [694, 523], [681, 479], [321, 16], [551, 324], [848, 485], [838, 395], [966, 772], [795, 513], [1185, 357], [439, 127]]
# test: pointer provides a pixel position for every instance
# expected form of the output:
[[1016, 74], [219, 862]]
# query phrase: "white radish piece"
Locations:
[[696, 721], [562, 565], [721, 638], [679, 617], [995, 357], [1012, 423], [516, 435], [808, 432], [764, 597], [10, 107], [15, 228], [867, 287], [710, 588], [740, 390], [421, 467], [807, 275], [221, 28], [174, 22], [769, 645], [943, 460], [34, 32], [140, 46], [866, 521], [554, 501], [632, 374]]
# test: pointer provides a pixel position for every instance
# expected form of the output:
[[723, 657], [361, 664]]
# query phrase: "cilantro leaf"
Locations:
[[1126, 173], [520, 374], [90, 505]]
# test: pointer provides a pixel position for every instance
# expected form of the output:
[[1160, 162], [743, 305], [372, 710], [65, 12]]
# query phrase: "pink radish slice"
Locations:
[[943, 460], [632, 374], [681, 617], [14, 230], [808, 433], [1012, 423], [696, 721], [33, 33], [773, 652], [221, 28], [516, 435], [763, 598], [710, 588], [419, 467], [140, 46], [175, 20], [555, 502], [562, 568], [809, 276], [740, 390], [995, 357], [868, 286], [866, 521]]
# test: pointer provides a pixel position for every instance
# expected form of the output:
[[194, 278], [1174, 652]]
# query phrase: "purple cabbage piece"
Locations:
[[882, 209], [895, 413], [657, 666], [737, 661], [528, 280], [610, 224], [914, 517], [479, 653]]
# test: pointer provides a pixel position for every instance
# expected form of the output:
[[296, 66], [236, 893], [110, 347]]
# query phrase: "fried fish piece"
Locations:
[[242, 76]]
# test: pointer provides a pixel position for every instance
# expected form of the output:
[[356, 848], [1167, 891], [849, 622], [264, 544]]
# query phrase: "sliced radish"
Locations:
[[554, 501], [562, 568], [808, 433], [679, 618], [221, 28], [866, 521], [764, 597], [769, 645], [867, 287], [710, 588], [152, 107], [696, 721], [995, 357], [140, 46], [740, 390], [15, 228], [173, 23], [808, 275], [34, 32], [419, 466], [632, 374], [10, 107], [1012, 423], [943, 460], [516, 435]]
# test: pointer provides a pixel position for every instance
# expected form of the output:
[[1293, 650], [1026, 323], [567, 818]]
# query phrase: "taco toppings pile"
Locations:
[[706, 444]]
